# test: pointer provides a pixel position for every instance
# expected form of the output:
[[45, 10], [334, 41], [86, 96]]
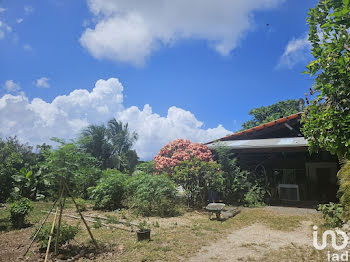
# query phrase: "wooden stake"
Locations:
[[41, 226], [92, 221], [62, 202], [81, 215], [50, 237]]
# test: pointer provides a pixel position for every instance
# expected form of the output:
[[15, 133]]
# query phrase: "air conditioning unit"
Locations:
[[288, 192]]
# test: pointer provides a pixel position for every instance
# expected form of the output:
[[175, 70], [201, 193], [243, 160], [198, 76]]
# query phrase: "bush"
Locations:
[[67, 233], [81, 203], [332, 213], [197, 177], [152, 195], [19, 210], [255, 196], [240, 186], [180, 150], [110, 190], [344, 189]]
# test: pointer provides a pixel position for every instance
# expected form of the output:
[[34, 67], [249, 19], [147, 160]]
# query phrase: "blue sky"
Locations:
[[199, 65]]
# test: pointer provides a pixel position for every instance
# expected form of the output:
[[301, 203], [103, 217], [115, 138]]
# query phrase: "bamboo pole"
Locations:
[[50, 237], [92, 221], [62, 202], [41, 226], [81, 215], [118, 221]]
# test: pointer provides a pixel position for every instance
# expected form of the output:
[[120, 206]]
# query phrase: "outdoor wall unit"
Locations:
[[288, 192]]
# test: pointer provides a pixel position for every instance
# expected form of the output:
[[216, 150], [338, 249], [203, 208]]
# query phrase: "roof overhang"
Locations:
[[269, 143]]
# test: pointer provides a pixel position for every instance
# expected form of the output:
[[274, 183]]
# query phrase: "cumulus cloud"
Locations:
[[129, 30], [295, 52], [4, 29], [37, 121], [2, 9], [19, 20], [11, 86], [43, 82]]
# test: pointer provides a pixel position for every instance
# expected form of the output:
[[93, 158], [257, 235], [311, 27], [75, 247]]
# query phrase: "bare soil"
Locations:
[[257, 240]]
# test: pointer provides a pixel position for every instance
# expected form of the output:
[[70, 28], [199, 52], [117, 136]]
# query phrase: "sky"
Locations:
[[171, 69]]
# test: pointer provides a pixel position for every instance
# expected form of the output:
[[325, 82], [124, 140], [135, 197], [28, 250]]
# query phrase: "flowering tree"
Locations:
[[180, 150]]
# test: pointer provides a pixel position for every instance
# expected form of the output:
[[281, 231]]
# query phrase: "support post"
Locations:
[[81, 215], [41, 226], [62, 202], [50, 237]]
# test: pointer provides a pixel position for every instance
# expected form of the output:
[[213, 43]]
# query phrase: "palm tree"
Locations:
[[111, 145]]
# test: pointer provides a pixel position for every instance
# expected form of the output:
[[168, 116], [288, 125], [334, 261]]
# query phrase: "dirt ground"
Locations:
[[190, 237], [257, 240]]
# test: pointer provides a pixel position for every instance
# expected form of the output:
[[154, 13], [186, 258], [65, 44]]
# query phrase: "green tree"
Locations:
[[265, 114], [79, 169], [327, 117], [13, 157], [111, 144]]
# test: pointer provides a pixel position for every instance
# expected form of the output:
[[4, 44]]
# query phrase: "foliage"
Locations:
[[196, 177], [255, 196], [143, 226], [148, 167], [19, 210], [97, 223], [109, 191], [152, 195], [180, 150], [67, 233], [13, 157], [332, 213], [81, 203], [262, 115], [327, 117], [79, 170], [344, 189], [111, 145], [236, 181]]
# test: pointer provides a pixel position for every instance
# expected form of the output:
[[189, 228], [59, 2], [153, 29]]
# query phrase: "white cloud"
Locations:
[[19, 20], [4, 29], [11, 86], [27, 47], [2, 9], [28, 9], [295, 52], [37, 121], [129, 30], [43, 82]]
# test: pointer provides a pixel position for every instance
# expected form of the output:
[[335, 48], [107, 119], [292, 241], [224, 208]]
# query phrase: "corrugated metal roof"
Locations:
[[262, 143], [260, 127]]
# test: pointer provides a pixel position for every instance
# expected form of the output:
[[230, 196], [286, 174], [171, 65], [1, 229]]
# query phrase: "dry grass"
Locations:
[[175, 239]]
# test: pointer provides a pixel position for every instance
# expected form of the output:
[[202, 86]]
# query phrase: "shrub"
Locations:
[[332, 213], [19, 210], [255, 196], [238, 183], [81, 203], [197, 177], [180, 150], [152, 195], [67, 233], [344, 189], [110, 190]]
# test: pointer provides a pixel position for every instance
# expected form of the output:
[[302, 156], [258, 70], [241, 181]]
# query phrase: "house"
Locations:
[[277, 154]]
